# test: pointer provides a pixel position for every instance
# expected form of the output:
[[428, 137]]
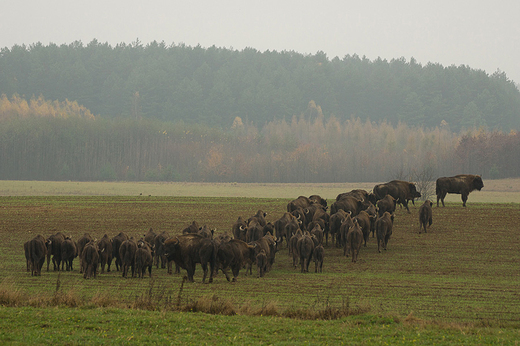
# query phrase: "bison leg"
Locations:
[[464, 199]]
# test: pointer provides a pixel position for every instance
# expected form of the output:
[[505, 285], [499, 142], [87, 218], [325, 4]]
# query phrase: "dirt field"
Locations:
[[464, 269]]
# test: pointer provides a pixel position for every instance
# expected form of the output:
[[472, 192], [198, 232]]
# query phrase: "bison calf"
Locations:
[[318, 255], [143, 258], [261, 263], [425, 215]]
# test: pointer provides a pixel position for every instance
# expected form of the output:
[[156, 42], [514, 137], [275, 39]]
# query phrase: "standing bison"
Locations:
[[235, 254], [402, 191], [143, 258], [36, 251], [90, 259], [384, 226], [189, 249], [425, 215], [69, 251], [127, 252], [354, 240], [461, 184]]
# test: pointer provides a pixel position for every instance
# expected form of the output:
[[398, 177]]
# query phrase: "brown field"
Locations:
[[465, 269]]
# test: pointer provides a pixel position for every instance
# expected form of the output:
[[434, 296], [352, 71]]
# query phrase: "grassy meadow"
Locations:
[[456, 284]]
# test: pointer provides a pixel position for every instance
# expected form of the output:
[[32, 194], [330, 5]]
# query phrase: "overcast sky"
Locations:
[[481, 34]]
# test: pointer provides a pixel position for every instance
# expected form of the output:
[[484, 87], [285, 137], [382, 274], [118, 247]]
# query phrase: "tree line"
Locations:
[[43, 140], [213, 86]]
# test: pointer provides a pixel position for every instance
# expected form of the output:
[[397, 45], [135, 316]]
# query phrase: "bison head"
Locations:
[[478, 184]]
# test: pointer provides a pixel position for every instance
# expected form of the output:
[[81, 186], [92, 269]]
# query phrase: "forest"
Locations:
[[180, 113], [213, 86], [53, 140]]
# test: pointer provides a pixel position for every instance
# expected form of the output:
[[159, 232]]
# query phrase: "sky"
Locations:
[[480, 34]]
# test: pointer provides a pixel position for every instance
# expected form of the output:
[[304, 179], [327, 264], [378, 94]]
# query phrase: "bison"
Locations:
[[159, 251], [384, 225], [364, 221], [193, 228], [348, 203], [335, 224], [90, 259], [37, 250], [105, 253], [127, 252], [293, 246], [402, 191], [143, 258], [84, 240], [149, 237], [189, 249], [54, 250], [239, 229], [235, 254], [425, 215], [305, 248], [69, 251], [354, 240], [461, 184], [261, 263], [387, 203], [116, 244]]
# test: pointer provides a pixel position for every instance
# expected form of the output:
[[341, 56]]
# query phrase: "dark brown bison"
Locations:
[[69, 251], [127, 255], [387, 203], [193, 228], [293, 247], [269, 245], [90, 259], [318, 255], [461, 184], [239, 229], [261, 263], [319, 200], [116, 244], [384, 225], [150, 237], [205, 231], [300, 202], [354, 240], [349, 204], [359, 194], [105, 252], [343, 231], [364, 221], [189, 249], [402, 191], [425, 215], [235, 254], [143, 258], [84, 240], [335, 224], [37, 250], [54, 250], [260, 216], [255, 230], [305, 248], [159, 251], [317, 231]]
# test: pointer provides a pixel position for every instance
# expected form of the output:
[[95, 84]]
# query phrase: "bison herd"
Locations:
[[304, 230]]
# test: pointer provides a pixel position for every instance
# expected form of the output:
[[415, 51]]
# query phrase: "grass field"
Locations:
[[456, 284]]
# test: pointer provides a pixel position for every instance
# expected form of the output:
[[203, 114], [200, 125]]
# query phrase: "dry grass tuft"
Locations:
[[9, 294], [211, 305]]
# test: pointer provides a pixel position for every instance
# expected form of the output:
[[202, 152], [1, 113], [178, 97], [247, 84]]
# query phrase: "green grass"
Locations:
[[115, 326], [458, 283]]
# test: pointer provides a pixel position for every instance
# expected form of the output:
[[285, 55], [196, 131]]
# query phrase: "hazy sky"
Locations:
[[481, 34]]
